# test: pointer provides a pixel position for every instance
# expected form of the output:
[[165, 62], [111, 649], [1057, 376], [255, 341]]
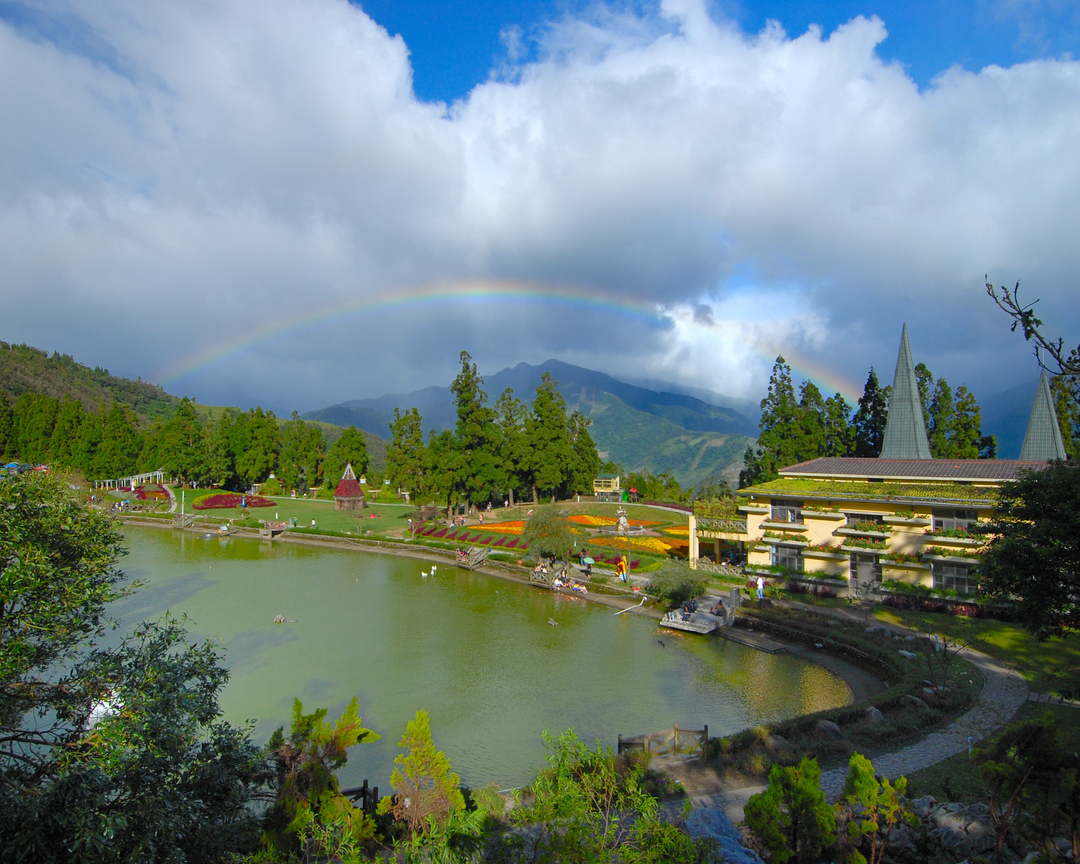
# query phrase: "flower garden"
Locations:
[[229, 500]]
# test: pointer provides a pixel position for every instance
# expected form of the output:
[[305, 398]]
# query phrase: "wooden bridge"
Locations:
[[674, 743]]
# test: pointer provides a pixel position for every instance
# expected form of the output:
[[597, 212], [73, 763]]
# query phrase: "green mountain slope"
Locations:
[[639, 440], [58, 375]]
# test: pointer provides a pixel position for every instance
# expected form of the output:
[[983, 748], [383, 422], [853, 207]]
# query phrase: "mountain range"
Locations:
[[637, 426]]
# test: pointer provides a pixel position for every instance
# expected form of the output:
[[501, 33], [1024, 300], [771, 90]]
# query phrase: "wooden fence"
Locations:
[[368, 796], [671, 742]]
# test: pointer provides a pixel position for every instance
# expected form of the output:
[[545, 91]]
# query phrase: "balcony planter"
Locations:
[[863, 549], [967, 559], [827, 556], [854, 532], [787, 541], [821, 580], [783, 526], [755, 508], [824, 514], [907, 565], [935, 539], [909, 520]]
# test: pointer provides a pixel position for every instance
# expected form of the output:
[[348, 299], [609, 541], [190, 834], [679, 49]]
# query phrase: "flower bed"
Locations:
[[150, 492], [639, 544], [514, 527], [229, 500], [598, 521]]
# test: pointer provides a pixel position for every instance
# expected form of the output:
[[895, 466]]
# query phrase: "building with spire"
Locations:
[[1043, 443], [854, 524]]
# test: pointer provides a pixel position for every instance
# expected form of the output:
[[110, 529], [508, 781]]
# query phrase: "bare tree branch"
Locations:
[[1008, 300]]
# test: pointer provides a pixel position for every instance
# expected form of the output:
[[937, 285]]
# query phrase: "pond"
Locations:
[[477, 652]]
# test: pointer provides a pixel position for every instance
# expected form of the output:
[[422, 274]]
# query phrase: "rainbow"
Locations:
[[481, 292]]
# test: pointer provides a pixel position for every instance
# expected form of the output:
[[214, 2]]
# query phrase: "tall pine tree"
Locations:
[[870, 419]]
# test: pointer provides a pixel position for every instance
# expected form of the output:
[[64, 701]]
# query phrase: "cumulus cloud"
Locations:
[[184, 176]]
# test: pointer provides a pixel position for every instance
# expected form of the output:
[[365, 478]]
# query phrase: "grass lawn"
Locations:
[[957, 778], [1044, 665]]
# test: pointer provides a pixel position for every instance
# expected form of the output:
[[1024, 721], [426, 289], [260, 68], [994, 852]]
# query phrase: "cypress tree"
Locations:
[[870, 419]]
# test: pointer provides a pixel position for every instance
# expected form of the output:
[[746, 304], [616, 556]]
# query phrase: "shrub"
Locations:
[[271, 487], [677, 583]]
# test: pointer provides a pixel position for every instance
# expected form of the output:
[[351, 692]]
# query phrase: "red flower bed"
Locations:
[[150, 492], [228, 500]]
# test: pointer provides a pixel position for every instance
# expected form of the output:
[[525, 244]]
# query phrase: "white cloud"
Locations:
[[178, 176]]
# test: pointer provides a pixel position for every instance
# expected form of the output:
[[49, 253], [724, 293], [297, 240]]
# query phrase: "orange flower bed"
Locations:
[[639, 544], [514, 527], [683, 531]]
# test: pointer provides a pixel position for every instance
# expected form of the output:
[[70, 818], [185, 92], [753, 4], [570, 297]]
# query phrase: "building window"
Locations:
[[852, 518], [945, 520], [867, 563], [789, 557], [786, 510], [953, 576]]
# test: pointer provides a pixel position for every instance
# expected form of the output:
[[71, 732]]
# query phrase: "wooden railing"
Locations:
[[672, 742]]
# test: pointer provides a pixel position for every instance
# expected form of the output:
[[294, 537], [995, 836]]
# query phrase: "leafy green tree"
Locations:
[[221, 464], [475, 435], [106, 755], [779, 435], [942, 416], [839, 431], [260, 456], [349, 449], [183, 449], [121, 443], [874, 809], [548, 533], [586, 463], [676, 583], [1067, 408], [89, 440], [655, 487], [1010, 767], [552, 452], [307, 782], [511, 415], [62, 445], [405, 452], [870, 419], [300, 454], [6, 427], [427, 789], [1033, 558], [791, 817]]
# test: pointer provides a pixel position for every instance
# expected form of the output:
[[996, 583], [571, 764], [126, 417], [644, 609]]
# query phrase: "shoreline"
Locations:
[[860, 683]]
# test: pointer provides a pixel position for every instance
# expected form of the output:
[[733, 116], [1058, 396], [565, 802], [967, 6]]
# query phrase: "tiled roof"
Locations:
[[912, 469]]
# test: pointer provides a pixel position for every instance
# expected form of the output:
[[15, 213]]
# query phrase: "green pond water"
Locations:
[[475, 651]]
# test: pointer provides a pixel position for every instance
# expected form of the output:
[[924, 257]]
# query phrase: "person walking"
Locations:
[[760, 588]]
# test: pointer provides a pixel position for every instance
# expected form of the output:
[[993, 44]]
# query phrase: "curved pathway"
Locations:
[[1003, 694]]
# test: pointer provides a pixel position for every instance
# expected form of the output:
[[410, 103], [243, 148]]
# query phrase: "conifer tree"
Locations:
[[966, 426], [511, 415], [548, 438], [260, 456], [777, 442], [870, 419], [349, 449], [66, 433], [942, 414], [586, 461], [839, 433], [183, 448], [1067, 407], [405, 452], [427, 789], [475, 434]]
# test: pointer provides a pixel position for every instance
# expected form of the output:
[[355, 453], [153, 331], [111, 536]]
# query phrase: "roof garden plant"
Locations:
[[847, 490], [865, 542], [954, 533], [868, 525], [942, 552]]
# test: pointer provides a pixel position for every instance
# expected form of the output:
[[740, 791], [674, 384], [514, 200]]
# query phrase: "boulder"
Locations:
[[829, 728], [775, 743], [924, 806], [909, 701], [878, 628], [874, 716], [962, 831], [907, 655]]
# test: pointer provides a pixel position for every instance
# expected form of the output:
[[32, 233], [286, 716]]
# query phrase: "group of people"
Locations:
[[563, 581]]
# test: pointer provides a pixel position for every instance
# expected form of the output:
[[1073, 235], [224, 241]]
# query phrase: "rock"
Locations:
[[874, 716], [910, 638], [708, 822], [877, 628], [928, 691], [775, 743], [962, 831], [909, 701], [907, 655], [829, 728], [925, 805]]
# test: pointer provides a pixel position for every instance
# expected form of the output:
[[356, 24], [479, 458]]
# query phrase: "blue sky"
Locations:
[[301, 202], [455, 46]]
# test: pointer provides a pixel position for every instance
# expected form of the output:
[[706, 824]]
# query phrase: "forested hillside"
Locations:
[[24, 368]]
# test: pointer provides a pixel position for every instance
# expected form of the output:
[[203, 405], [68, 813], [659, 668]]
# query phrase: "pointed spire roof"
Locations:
[[905, 431], [1043, 439], [348, 475]]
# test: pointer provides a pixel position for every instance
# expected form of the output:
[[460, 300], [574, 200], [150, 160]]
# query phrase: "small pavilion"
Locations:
[[349, 494]]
